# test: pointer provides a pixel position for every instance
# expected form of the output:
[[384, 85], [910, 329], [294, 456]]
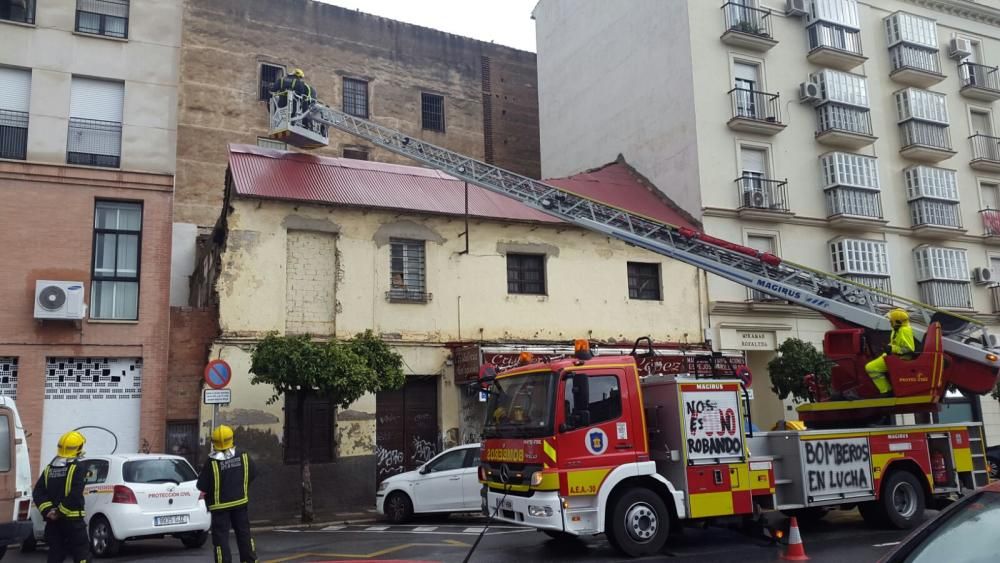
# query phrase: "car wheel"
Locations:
[[194, 540], [102, 539], [638, 523], [901, 503], [994, 467], [398, 508]]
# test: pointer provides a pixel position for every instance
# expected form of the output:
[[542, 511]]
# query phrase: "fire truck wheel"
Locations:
[[902, 500], [638, 523], [398, 508]]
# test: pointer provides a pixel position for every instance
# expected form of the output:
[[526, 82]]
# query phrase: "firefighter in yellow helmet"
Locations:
[[295, 83], [900, 344], [58, 494], [225, 480]]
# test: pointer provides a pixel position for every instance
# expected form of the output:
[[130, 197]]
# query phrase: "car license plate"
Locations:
[[170, 520]]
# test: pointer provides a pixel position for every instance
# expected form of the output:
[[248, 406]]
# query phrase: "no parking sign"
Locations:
[[218, 374]]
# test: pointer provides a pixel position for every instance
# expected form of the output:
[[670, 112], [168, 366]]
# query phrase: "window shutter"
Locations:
[[97, 99], [15, 89], [754, 160]]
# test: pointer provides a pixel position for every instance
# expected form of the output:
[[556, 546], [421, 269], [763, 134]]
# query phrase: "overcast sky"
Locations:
[[507, 22]]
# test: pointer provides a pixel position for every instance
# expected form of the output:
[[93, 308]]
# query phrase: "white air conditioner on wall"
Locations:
[[809, 92], [62, 300], [982, 276], [796, 8], [959, 48]]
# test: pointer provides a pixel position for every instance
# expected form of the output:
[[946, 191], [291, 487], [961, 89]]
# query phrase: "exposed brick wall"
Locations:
[[192, 331], [310, 295]]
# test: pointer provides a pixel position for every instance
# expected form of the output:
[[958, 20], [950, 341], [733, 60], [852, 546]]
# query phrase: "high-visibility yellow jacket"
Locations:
[[901, 341]]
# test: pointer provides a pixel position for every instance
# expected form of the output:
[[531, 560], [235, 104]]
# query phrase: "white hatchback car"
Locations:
[[447, 483], [139, 496]]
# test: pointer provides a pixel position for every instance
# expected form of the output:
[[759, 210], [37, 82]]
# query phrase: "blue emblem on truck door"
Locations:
[[596, 441]]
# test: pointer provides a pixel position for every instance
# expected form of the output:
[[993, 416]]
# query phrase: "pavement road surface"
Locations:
[[842, 536]]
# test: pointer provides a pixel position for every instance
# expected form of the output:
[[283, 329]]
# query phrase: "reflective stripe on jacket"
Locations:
[[60, 488], [226, 483]]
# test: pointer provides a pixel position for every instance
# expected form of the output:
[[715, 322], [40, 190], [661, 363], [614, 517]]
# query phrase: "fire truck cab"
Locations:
[[583, 446]]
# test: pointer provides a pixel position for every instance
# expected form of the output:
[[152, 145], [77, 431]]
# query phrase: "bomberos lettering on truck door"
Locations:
[[712, 424], [836, 467]]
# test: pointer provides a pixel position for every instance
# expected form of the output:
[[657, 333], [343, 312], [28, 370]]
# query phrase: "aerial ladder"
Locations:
[[954, 350]]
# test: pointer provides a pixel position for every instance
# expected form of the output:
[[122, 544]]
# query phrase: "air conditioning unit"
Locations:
[[982, 276], [61, 300], [796, 8], [959, 48], [755, 199], [809, 92]]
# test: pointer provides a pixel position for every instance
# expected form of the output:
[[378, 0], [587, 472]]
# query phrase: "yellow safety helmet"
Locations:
[[71, 444], [298, 72], [898, 317], [222, 438]]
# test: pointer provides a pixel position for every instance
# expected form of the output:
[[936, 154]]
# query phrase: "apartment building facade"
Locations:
[[87, 137], [855, 137]]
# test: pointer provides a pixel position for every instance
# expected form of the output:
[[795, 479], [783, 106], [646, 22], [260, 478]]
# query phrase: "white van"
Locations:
[[15, 478]]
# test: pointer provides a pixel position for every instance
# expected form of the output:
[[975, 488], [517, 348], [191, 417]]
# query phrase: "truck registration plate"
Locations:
[[170, 520]]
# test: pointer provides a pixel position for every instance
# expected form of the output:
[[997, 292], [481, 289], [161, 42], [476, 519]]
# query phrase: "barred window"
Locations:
[[269, 74], [356, 97], [432, 112], [407, 270], [526, 273], [643, 281]]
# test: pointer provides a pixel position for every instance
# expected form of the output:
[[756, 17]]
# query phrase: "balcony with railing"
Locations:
[[935, 219], [985, 152], [834, 46], [19, 11], [979, 82], [914, 65], [755, 112], [946, 294], [991, 224], [747, 27], [853, 208], [93, 142], [761, 198], [13, 134], [844, 126], [925, 141]]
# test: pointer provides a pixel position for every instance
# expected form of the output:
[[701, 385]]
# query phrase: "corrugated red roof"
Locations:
[[273, 174]]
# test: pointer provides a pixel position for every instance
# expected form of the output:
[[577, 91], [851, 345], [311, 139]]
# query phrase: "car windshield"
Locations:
[[966, 536], [520, 406], [158, 471]]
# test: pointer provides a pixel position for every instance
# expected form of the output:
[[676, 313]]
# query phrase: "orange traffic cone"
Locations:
[[795, 551]]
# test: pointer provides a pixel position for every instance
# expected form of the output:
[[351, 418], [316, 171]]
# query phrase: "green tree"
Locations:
[[794, 361], [341, 371]]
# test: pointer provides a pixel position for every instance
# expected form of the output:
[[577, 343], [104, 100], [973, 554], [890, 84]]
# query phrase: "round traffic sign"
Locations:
[[218, 374]]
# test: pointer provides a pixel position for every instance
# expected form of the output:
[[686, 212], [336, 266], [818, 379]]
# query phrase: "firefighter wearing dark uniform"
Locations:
[[294, 82], [225, 480], [58, 495]]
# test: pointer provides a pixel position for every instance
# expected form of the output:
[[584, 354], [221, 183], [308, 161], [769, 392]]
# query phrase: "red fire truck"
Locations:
[[586, 445]]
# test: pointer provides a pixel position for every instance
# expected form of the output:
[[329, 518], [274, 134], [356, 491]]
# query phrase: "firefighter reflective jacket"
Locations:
[[294, 84], [901, 341], [226, 482], [60, 487]]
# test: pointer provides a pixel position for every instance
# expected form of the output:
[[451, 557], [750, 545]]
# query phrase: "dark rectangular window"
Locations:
[[356, 97], [603, 398], [356, 153], [182, 439], [526, 273], [407, 270], [114, 289], [643, 281], [102, 17], [432, 112], [319, 423], [22, 11], [269, 74]]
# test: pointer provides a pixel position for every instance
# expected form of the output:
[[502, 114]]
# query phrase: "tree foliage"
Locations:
[[796, 359]]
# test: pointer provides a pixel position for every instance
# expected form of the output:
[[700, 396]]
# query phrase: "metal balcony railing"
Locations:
[[103, 17], [979, 76], [882, 283], [747, 19], [760, 193], [985, 147], [408, 296], [826, 34], [905, 55], [22, 11], [924, 133], [13, 134], [991, 222], [931, 212], [752, 104], [947, 294], [838, 117], [93, 142], [853, 202]]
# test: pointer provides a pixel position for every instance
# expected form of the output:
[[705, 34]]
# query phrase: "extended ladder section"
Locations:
[[822, 292]]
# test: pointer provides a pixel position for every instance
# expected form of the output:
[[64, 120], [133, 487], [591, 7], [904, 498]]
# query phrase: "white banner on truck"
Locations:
[[837, 466], [712, 425]]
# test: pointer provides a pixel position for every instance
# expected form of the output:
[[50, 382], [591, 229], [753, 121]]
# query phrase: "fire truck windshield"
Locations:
[[520, 406]]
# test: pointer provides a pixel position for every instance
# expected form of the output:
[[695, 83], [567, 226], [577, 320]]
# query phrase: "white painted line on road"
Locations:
[[288, 531], [885, 544], [425, 528], [333, 528], [376, 528], [473, 530]]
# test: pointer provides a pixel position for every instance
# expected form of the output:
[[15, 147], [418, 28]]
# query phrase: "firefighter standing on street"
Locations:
[[58, 494], [225, 480], [900, 344]]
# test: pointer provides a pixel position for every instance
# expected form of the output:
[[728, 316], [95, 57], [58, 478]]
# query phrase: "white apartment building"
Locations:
[[851, 136]]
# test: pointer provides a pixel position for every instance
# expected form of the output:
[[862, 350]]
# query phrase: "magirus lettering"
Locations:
[[790, 293]]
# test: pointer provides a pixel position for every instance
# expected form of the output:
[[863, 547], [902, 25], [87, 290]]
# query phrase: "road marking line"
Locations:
[[885, 544], [473, 530], [425, 528], [376, 528], [333, 528]]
